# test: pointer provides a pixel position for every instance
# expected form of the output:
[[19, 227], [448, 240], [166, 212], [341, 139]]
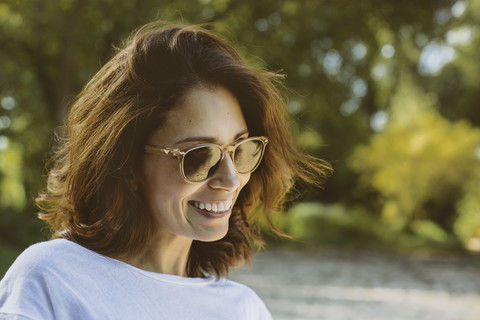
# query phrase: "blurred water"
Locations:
[[341, 286]]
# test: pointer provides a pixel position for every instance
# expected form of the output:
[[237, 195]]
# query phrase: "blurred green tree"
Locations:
[[419, 162], [344, 62], [467, 224]]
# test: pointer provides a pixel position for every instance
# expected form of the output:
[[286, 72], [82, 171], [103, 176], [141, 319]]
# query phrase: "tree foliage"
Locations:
[[420, 162], [348, 64]]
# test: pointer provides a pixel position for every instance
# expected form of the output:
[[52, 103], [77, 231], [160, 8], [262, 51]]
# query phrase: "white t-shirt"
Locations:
[[59, 279]]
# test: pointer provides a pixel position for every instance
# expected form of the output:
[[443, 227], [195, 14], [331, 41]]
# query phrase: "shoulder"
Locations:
[[234, 286], [41, 261], [40, 255], [244, 297], [23, 288], [44, 275]]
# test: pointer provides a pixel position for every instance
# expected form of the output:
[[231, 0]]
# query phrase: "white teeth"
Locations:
[[213, 206]]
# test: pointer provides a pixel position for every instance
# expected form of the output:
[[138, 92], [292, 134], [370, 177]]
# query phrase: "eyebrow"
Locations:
[[208, 139]]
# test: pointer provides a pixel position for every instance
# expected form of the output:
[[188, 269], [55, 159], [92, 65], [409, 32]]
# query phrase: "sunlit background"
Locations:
[[387, 91]]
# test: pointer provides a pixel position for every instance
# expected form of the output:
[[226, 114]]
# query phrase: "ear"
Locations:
[[132, 181]]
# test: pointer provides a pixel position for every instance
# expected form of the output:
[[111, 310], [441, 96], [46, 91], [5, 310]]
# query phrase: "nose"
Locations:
[[225, 177]]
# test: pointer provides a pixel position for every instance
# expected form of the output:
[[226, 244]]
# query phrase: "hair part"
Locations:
[[89, 198]]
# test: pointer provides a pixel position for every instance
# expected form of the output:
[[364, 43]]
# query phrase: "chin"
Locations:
[[213, 236]]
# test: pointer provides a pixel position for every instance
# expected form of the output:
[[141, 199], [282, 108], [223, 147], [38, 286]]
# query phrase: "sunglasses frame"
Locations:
[[180, 153]]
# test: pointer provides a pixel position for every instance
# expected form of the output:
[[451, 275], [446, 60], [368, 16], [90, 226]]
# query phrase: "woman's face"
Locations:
[[204, 115]]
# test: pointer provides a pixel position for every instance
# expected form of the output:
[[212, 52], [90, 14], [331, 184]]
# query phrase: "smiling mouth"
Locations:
[[212, 207]]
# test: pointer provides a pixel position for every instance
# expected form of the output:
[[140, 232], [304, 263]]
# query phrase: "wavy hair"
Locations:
[[89, 199]]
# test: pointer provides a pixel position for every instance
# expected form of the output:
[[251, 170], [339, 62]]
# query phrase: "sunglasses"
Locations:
[[198, 162]]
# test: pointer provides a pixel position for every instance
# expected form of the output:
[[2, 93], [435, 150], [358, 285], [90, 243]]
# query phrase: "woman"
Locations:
[[171, 152]]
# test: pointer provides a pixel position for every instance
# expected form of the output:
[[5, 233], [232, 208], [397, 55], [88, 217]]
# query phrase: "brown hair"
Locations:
[[89, 199]]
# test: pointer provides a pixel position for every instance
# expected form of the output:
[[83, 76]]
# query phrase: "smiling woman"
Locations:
[[167, 152]]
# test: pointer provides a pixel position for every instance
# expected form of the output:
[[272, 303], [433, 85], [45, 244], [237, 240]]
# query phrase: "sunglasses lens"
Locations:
[[198, 163], [248, 155]]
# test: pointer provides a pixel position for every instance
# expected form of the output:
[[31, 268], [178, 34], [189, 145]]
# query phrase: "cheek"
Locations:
[[161, 180]]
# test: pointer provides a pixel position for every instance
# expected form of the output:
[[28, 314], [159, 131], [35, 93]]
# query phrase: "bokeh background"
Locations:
[[387, 91]]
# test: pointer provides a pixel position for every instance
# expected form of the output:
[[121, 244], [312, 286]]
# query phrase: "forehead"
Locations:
[[212, 113]]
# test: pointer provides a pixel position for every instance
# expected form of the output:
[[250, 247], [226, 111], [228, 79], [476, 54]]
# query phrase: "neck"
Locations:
[[166, 254]]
